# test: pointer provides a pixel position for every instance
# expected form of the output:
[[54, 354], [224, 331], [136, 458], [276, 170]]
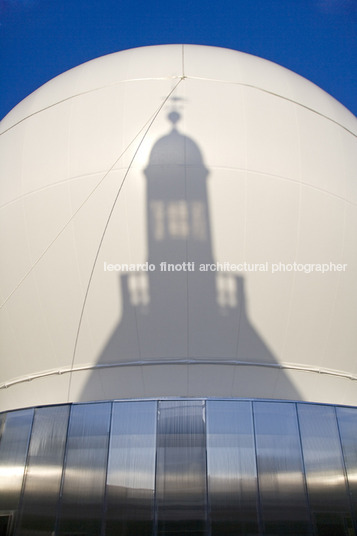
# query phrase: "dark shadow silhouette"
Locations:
[[184, 313]]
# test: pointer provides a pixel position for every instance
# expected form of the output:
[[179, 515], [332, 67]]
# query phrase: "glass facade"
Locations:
[[175, 467]]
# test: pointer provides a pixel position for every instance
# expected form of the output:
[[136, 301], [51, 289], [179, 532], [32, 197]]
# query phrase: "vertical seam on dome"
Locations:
[[297, 244], [241, 287], [187, 239], [183, 59]]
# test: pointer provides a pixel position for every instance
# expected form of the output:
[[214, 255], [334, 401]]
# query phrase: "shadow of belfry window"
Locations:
[[180, 218], [138, 285], [158, 218], [226, 285], [198, 215], [177, 216]]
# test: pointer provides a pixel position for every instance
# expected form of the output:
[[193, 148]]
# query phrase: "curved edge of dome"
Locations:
[[178, 61]]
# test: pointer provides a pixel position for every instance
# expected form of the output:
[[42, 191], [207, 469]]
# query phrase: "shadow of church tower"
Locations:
[[174, 310]]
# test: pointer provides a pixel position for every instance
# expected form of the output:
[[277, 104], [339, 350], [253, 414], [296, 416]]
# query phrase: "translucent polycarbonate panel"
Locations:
[[324, 467], [44, 472], [85, 470], [181, 493], [14, 439], [131, 469], [347, 421], [231, 466], [282, 487]]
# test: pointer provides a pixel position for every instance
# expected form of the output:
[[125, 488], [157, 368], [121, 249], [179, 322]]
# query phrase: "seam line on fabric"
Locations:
[[217, 362], [192, 78], [79, 208], [80, 95]]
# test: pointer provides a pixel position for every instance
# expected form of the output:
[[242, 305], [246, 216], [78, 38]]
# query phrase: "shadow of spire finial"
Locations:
[[174, 117]]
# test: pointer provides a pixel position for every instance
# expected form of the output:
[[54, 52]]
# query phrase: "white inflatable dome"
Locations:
[[178, 220]]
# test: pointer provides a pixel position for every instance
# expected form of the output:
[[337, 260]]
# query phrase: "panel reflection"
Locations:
[[326, 483], [44, 471], [232, 474], [347, 420], [131, 469], [181, 492], [85, 470], [14, 440], [280, 470]]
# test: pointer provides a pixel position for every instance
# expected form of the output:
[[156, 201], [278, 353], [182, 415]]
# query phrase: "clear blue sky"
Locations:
[[40, 39]]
